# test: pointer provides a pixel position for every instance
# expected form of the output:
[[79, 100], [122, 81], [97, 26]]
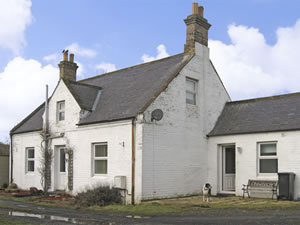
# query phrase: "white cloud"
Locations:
[[15, 16], [106, 67], [250, 67], [161, 53], [22, 89], [81, 51], [52, 58]]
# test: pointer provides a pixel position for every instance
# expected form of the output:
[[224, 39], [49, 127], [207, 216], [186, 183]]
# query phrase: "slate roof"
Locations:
[[277, 113], [124, 93], [84, 94]]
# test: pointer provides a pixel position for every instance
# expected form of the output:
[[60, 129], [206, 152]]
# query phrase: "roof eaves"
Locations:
[[28, 131], [175, 74], [106, 121], [251, 132]]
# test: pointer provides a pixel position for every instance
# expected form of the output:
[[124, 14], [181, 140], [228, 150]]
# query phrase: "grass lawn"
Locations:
[[175, 205], [12, 221], [195, 203]]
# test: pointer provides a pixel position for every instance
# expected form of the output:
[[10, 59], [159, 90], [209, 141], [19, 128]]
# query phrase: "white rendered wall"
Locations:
[[175, 148], [20, 142], [118, 136], [288, 151]]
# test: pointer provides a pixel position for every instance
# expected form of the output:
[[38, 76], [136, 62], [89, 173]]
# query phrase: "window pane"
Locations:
[[61, 116], [62, 105], [100, 166], [30, 154], [62, 160], [230, 160], [100, 150], [268, 166], [267, 149], [190, 85], [30, 165], [190, 98]]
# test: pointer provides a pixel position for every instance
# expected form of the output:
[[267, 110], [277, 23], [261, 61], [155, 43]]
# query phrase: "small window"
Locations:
[[268, 162], [191, 91], [61, 111], [29, 159], [100, 158]]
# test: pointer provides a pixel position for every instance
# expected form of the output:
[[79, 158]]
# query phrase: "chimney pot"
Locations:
[[196, 29], [71, 57], [200, 11], [65, 55], [195, 8], [67, 69]]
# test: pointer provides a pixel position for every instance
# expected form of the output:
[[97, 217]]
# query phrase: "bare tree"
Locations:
[[45, 161]]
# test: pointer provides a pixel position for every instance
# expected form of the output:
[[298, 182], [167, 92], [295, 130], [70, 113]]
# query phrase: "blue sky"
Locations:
[[254, 44]]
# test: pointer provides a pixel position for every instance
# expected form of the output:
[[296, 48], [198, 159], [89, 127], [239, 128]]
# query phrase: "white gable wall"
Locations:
[[288, 151], [175, 148]]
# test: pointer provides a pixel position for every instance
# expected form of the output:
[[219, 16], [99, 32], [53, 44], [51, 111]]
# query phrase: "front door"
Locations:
[[60, 168], [228, 159]]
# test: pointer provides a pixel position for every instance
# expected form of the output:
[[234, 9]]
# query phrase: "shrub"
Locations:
[[101, 196], [5, 185]]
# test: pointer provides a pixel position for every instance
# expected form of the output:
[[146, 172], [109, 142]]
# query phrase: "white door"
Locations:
[[228, 158], [60, 168]]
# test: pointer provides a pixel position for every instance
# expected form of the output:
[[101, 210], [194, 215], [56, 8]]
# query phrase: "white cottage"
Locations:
[[152, 129]]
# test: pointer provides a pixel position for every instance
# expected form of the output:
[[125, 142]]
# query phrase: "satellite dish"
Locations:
[[157, 115]]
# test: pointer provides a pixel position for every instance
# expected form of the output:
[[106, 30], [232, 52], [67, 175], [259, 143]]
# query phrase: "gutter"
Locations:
[[133, 164]]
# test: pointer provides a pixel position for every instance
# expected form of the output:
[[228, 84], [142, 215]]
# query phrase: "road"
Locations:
[[35, 214]]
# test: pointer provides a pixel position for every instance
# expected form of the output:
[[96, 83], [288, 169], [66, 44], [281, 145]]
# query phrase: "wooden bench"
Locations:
[[260, 186]]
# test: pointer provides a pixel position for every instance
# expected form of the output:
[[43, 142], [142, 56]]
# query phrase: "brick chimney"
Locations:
[[67, 68], [196, 29]]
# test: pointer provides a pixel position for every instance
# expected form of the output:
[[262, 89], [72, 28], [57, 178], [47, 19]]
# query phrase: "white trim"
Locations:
[[102, 158], [259, 157], [29, 159], [194, 93]]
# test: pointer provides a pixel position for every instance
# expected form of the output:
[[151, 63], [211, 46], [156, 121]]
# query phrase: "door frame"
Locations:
[[221, 167]]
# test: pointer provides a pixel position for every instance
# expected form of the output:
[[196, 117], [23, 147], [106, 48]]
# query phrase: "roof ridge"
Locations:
[[264, 98], [131, 67], [83, 84]]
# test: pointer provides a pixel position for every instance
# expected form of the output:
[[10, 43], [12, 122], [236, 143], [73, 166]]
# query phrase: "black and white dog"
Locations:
[[206, 191]]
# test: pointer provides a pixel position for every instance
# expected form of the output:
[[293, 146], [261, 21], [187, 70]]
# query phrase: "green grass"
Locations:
[[12, 221], [192, 204], [175, 205]]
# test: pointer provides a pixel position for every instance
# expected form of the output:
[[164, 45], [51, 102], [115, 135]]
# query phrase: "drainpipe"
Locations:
[[11, 159], [133, 163]]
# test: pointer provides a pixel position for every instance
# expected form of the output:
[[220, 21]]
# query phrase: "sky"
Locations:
[[254, 44]]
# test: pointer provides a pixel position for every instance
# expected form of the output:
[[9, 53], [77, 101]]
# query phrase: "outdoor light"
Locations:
[[239, 149]]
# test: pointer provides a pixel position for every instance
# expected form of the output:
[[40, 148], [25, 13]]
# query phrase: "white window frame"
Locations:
[[102, 158], [194, 93], [266, 157], [27, 160], [59, 111]]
